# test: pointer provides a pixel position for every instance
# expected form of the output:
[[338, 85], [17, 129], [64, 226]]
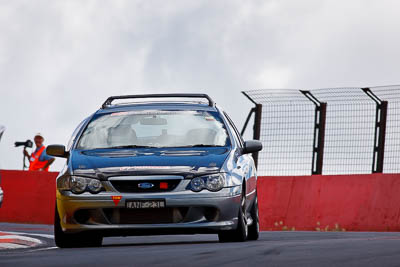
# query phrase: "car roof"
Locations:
[[167, 105]]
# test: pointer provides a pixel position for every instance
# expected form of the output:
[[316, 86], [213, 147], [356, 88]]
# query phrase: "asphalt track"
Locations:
[[273, 249]]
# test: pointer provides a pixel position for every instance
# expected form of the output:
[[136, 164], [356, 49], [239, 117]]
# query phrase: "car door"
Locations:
[[245, 162]]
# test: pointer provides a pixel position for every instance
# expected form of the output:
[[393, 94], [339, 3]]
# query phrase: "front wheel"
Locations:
[[254, 228], [83, 239], [241, 233]]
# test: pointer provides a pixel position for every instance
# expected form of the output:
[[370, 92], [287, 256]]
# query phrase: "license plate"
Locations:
[[145, 204]]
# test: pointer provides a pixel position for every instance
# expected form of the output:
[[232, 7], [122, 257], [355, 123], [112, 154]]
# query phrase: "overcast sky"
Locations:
[[59, 60]]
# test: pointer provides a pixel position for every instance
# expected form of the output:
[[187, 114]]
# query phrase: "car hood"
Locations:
[[148, 161]]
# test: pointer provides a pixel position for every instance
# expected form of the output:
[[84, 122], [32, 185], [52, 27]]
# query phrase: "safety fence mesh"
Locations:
[[288, 122]]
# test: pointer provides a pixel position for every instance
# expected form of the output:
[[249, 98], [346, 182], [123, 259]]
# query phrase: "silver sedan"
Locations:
[[164, 168]]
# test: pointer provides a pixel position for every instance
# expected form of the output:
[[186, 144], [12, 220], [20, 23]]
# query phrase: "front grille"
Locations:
[[133, 186], [145, 216]]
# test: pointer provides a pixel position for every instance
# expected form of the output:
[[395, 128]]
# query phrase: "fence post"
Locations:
[[247, 121], [257, 110], [380, 131], [319, 133], [257, 129]]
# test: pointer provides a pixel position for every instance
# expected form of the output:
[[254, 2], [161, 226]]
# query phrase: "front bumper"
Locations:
[[185, 212]]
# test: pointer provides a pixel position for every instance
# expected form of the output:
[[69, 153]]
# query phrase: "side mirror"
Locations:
[[57, 151], [252, 146]]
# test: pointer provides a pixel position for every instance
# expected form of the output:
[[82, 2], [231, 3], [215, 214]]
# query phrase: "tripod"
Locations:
[[23, 160]]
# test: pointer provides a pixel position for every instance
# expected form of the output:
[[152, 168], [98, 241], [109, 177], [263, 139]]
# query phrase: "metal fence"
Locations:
[[327, 131]]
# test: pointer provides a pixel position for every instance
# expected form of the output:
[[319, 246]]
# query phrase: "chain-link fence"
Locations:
[[328, 131]]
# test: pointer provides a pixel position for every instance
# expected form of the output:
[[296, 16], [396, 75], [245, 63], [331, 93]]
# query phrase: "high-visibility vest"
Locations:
[[35, 164]]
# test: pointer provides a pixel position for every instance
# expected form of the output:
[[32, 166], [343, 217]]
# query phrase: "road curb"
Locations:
[[15, 241]]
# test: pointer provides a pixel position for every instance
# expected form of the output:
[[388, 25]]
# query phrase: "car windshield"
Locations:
[[154, 128]]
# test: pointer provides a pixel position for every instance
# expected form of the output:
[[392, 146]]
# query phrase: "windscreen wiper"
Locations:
[[202, 145]]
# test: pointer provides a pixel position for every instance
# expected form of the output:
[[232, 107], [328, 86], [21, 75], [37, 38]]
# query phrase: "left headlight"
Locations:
[[213, 182], [78, 185]]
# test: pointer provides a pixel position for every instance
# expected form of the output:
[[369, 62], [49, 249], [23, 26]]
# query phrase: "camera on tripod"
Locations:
[[27, 143]]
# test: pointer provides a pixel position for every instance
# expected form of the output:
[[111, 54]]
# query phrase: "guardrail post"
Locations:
[[380, 131], [319, 133]]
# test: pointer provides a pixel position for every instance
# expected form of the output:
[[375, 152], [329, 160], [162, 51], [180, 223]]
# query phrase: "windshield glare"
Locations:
[[154, 128]]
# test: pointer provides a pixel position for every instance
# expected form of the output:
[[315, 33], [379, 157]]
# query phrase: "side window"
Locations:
[[236, 132], [73, 137]]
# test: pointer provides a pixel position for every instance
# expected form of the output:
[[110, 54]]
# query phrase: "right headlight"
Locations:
[[78, 185], [94, 186], [213, 182]]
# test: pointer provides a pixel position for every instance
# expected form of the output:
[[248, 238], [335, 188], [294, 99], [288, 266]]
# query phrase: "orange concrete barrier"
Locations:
[[330, 203], [29, 197], [323, 203]]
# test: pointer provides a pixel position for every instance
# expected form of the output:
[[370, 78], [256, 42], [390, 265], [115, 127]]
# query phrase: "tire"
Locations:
[[82, 239], [254, 228], [241, 233]]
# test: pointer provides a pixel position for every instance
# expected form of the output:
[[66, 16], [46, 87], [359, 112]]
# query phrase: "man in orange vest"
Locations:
[[39, 160]]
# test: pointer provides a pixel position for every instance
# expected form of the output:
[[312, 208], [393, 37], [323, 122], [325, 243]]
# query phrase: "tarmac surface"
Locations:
[[272, 249]]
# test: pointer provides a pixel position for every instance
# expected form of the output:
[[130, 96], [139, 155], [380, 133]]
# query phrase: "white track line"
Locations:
[[41, 249]]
